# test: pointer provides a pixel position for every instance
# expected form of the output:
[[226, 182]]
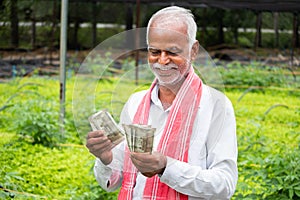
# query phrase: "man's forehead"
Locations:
[[166, 39], [167, 34]]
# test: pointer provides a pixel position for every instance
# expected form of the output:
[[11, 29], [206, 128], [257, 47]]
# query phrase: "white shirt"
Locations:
[[211, 171]]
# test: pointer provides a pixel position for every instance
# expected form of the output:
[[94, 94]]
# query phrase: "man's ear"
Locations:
[[194, 50]]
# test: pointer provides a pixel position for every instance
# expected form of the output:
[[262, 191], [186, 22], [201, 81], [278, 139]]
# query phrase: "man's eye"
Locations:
[[172, 53], [155, 52]]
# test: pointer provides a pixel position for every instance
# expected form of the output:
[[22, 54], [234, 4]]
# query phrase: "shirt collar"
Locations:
[[155, 100]]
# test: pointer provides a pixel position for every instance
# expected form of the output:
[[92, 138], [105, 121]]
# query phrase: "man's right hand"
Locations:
[[100, 146]]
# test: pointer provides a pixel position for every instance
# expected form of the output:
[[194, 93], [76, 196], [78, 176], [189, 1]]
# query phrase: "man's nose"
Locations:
[[163, 58]]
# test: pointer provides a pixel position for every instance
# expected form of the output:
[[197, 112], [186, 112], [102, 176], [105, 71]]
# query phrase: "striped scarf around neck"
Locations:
[[174, 142]]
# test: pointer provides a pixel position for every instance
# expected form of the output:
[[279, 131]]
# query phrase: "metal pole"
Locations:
[[63, 50], [137, 38]]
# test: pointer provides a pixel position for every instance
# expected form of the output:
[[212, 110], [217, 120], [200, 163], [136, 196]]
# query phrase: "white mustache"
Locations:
[[164, 67]]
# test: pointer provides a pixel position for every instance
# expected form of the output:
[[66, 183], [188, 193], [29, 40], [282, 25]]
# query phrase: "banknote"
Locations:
[[102, 120], [139, 137], [127, 131]]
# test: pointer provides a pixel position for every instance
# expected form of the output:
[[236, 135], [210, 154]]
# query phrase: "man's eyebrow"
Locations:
[[174, 49], [171, 49], [152, 48]]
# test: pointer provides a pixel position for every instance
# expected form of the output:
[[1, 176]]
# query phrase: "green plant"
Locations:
[[36, 172], [282, 179], [19, 91], [268, 141], [38, 120], [253, 75], [8, 177], [245, 42], [268, 136]]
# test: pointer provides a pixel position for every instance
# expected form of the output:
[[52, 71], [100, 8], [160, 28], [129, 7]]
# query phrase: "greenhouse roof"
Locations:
[[257, 5]]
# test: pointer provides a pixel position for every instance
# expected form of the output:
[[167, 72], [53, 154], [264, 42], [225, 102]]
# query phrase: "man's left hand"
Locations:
[[149, 164]]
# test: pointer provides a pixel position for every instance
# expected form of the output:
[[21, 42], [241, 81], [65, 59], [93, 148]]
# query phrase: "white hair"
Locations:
[[179, 14]]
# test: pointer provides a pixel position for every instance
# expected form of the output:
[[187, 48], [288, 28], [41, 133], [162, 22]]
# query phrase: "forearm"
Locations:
[[216, 183]]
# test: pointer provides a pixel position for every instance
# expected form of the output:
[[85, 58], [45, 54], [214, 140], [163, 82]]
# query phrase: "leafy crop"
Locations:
[[38, 121], [34, 116], [37, 172], [269, 138], [268, 133], [255, 75]]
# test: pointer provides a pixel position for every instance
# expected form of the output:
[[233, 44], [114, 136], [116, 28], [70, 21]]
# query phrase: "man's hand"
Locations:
[[149, 164], [100, 146]]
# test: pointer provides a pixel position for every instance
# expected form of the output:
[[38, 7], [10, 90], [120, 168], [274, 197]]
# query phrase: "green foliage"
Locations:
[[268, 141], [36, 172], [245, 42], [267, 129], [269, 174], [283, 175], [19, 91], [254, 74], [38, 120], [35, 119]]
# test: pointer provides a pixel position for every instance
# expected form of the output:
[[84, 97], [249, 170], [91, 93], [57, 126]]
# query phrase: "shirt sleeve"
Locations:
[[219, 179], [110, 176]]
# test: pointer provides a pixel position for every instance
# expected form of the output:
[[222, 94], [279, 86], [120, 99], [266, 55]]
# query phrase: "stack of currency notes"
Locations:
[[102, 120], [139, 137]]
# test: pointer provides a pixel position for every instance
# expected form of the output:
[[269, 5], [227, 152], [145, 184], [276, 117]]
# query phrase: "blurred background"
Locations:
[[231, 30], [47, 93]]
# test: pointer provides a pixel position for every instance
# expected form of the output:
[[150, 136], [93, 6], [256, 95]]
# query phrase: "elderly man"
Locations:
[[195, 149]]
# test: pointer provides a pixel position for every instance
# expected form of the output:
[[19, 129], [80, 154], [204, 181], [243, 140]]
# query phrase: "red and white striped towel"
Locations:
[[175, 140]]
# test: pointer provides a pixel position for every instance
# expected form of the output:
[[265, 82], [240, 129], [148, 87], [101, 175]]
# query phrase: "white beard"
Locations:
[[167, 75]]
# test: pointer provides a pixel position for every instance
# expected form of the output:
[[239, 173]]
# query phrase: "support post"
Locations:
[[276, 16], [63, 51], [258, 30]]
